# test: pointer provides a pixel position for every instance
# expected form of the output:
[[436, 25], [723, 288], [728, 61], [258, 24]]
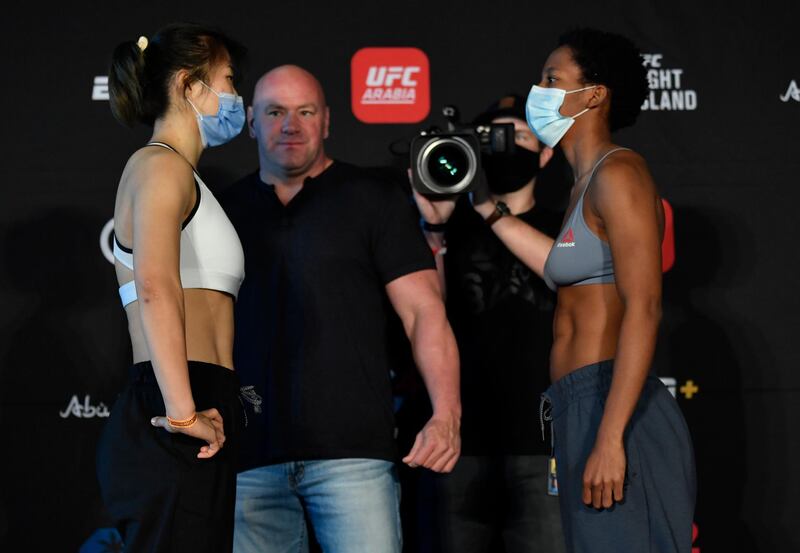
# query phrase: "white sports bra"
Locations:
[[211, 253]]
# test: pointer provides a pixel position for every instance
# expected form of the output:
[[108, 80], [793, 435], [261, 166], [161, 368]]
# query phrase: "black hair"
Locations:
[[139, 78], [614, 61], [509, 105]]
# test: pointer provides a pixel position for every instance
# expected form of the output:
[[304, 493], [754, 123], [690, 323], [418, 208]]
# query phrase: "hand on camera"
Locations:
[[480, 195], [208, 427], [435, 211]]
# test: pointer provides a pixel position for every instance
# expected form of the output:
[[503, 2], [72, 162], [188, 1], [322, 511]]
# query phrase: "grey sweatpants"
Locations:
[[656, 512]]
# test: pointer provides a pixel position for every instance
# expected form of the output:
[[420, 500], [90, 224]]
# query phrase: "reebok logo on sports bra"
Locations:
[[568, 241]]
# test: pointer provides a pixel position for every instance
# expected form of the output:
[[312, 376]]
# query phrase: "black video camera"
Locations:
[[448, 163]]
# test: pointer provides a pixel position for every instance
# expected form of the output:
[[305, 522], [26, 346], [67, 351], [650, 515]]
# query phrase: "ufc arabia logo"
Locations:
[[386, 77], [390, 85]]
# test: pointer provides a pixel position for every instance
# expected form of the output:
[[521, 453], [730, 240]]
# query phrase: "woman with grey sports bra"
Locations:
[[578, 255], [624, 456], [166, 461]]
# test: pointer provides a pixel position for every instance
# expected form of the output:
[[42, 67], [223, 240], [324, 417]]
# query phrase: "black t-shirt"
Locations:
[[312, 316], [502, 315]]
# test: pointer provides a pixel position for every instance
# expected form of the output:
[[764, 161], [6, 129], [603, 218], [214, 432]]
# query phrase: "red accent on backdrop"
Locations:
[[390, 85]]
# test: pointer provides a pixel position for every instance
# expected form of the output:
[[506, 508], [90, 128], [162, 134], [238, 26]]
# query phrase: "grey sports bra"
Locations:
[[578, 255]]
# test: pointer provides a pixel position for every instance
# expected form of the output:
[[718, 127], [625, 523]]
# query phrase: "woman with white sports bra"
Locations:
[[166, 459], [624, 458]]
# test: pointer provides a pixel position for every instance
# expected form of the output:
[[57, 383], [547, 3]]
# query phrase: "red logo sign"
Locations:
[[668, 243], [390, 85]]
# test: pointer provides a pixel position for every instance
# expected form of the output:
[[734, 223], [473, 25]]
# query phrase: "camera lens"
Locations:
[[447, 165]]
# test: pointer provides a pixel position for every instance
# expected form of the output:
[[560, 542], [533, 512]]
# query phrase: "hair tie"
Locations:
[[142, 43]]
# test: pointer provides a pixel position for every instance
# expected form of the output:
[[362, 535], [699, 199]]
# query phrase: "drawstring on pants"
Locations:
[[248, 394], [546, 415]]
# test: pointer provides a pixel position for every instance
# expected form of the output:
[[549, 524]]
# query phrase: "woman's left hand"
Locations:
[[604, 475]]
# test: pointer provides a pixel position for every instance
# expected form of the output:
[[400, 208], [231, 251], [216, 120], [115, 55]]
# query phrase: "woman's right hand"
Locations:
[[208, 427]]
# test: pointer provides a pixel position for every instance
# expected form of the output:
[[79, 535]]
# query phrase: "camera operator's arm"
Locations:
[[417, 300], [529, 245], [435, 212]]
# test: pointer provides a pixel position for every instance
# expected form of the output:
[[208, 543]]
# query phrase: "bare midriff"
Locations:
[[585, 327], [209, 328]]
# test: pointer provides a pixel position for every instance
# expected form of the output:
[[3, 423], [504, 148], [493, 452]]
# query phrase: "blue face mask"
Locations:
[[544, 117], [226, 124]]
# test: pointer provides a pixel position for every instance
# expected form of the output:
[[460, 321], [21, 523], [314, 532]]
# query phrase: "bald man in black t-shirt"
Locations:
[[329, 251]]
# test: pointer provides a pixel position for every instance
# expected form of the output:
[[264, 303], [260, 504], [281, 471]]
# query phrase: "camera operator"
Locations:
[[496, 497]]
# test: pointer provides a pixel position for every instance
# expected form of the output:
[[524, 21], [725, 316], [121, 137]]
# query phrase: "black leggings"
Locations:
[[161, 496]]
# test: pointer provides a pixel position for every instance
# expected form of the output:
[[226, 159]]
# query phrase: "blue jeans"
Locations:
[[352, 504]]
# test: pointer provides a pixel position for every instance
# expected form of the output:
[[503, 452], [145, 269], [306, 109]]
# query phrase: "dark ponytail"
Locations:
[[126, 91]]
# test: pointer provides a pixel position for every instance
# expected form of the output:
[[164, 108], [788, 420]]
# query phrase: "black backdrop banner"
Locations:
[[720, 132]]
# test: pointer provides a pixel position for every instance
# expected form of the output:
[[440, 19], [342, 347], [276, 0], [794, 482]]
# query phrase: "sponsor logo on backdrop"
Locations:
[[667, 92], [382, 89], [390, 85], [792, 93], [83, 409], [689, 389], [668, 242], [106, 245], [100, 88], [670, 383]]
